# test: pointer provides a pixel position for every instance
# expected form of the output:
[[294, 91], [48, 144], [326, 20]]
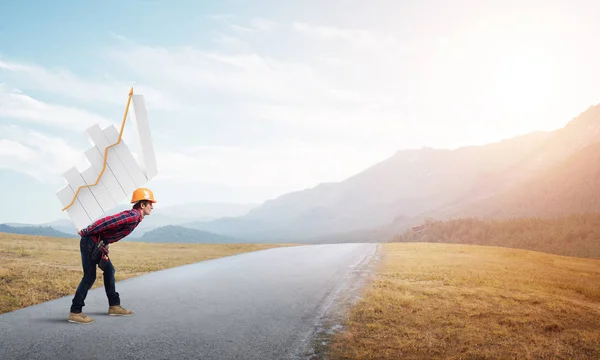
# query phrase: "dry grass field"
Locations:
[[427, 300], [35, 269], [448, 301]]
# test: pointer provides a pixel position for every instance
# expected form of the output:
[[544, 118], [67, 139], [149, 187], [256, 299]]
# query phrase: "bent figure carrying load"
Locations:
[[94, 251]]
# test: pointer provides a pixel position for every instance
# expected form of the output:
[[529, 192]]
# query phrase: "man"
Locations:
[[107, 230]]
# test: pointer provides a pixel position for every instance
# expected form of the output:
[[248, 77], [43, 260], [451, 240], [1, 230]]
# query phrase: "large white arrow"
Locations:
[[113, 173]]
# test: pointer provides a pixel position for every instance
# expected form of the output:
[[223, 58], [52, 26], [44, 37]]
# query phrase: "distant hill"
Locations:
[[34, 230], [179, 234], [63, 225]]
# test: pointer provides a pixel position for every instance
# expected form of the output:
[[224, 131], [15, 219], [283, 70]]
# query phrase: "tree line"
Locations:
[[574, 235]]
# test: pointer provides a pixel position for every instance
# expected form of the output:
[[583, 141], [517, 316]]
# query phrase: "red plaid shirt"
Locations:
[[114, 227]]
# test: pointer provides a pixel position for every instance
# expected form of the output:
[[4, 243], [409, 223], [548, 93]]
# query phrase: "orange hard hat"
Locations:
[[142, 194]]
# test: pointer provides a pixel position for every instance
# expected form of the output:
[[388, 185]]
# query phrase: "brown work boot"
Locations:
[[80, 318], [119, 311]]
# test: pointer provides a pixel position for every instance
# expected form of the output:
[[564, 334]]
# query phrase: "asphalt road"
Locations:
[[262, 305]]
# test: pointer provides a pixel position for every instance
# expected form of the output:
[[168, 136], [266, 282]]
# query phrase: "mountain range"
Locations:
[[544, 173]]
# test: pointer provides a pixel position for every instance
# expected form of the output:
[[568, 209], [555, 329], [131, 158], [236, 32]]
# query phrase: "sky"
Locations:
[[249, 101]]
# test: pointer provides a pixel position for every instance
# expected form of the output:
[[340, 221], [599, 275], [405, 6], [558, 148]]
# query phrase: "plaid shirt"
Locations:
[[114, 227]]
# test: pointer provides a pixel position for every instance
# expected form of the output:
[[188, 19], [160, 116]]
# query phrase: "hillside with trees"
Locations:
[[570, 186], [573, 235]]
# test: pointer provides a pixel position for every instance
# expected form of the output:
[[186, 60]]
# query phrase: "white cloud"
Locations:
[[357, 37], [311, 94], [336, 100], [258, 85], [263, 24], [16, 105], [373, 124], [330, 32], [240, 74], [27, 148], [240, 28], [39, 155], [289, 166], [65, 83], [221, 17], [15, 150], [355, 98], [231, 42], [254, 24]]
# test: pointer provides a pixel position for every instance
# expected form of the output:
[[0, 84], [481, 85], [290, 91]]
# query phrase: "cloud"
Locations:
[[16, 105], [230, 42], [357, 37], [240, 28], [254, 24], [382, 122], [330, 32], [260, 87], [26, 145], [41, 156], [241, 74], [263, 24], [16, 150], [63, 82], [242, 81], [221, 17], [284, 166]]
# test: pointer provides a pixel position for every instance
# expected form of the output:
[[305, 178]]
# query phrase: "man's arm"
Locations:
[[110, 222]]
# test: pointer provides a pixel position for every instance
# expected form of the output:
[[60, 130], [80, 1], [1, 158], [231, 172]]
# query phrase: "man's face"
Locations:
[[147, 208]]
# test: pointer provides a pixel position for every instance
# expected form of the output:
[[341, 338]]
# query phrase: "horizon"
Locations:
[[247, 103]]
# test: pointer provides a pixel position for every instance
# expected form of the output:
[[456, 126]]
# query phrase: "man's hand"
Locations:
[[79, 232]]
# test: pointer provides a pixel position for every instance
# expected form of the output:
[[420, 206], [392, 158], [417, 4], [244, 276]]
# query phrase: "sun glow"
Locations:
[[524, 81], [499, 80]]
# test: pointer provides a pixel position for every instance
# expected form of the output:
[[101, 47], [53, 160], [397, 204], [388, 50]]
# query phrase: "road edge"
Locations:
[[332, 313]]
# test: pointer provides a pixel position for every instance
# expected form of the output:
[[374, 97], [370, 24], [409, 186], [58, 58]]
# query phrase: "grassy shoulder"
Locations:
[[35, 269], [449, 301]]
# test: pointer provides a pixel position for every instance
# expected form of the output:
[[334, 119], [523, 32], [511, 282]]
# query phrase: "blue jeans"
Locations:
[[89, 277]]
